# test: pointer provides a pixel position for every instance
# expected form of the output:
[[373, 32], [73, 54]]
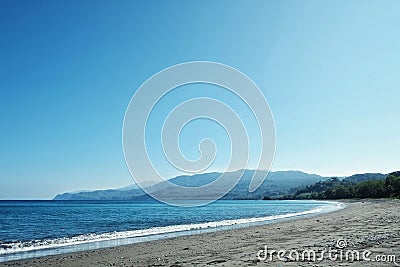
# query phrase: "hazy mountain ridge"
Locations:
[[110, 194], [276, 183], [356, 178]]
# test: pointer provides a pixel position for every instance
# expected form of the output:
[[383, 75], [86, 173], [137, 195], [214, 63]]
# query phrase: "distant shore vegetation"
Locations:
[[336, 188]]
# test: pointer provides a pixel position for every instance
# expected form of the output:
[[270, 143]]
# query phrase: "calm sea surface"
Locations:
[[37, 228]]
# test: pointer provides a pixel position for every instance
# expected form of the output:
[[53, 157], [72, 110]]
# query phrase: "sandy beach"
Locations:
[[370, 228]]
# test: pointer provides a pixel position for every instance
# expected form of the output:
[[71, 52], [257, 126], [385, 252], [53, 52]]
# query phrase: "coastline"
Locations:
[[368, 224], [271, 210]]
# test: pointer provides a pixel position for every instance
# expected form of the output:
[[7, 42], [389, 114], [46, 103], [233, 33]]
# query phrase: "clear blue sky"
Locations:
[[329, 69]]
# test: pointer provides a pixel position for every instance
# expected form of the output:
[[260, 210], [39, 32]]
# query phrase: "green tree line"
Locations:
[[335, 188]]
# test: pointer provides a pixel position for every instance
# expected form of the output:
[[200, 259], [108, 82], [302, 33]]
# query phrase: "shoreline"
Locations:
[[364, 223], [86, 242]]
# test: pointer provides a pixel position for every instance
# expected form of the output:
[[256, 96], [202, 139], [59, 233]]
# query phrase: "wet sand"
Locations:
[[369, 226]]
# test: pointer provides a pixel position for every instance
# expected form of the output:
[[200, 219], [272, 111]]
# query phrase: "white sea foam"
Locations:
[[21, 247]]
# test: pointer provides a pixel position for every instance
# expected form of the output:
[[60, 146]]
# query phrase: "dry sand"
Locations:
[[372, 225]]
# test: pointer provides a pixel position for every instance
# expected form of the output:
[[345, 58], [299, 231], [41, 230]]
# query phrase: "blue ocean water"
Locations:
[[36, 228]]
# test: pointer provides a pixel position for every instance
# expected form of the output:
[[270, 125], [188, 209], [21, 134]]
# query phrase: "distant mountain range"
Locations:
[[277, 183]]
